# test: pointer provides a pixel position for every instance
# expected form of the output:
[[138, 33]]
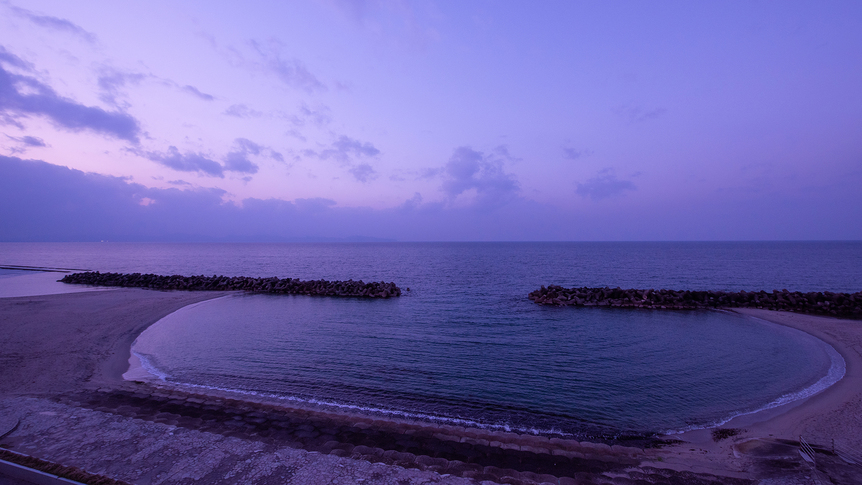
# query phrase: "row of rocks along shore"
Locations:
[[285, 286], [845, 305]]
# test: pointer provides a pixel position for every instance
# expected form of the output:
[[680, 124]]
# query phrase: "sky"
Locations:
[[430, 120]]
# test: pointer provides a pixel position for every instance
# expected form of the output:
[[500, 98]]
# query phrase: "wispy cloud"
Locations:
[[638, 114], [570, 153], [320, 115], [11, 59], [238, 157], [242, 111], [112, 81], [405, 24], [604, 186], [186, 162], [363, 172], [25, 142], [343, 148], [197, 92], [238, 160], [55, 23], [289, 70]]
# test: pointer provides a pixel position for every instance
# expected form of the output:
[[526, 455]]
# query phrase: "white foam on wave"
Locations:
[[386, 412], [148, 366], [837, 369]]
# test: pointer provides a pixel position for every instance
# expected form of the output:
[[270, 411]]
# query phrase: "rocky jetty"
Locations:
[[286, 286], [845, 305]]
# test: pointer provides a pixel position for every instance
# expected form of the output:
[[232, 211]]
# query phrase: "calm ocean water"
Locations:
[[465, 343]]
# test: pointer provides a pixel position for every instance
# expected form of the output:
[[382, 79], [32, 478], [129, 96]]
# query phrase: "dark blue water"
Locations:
[[466, 344]]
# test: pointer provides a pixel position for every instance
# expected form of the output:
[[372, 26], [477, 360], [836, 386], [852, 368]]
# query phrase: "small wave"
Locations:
[[371, 410], [149, 367]]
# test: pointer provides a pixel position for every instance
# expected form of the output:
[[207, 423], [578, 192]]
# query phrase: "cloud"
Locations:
[[294, 133], [248, 147], [638, 114], [26, 142], [55, 23], [12, 60], [319, 116], [290, 71], [574, 154], [605, 185], [430, 173], [22, 96], [357, 10], [344, 149], [242, 111], [111, 82], [30, 141], [412, 203], [44, 202], [469, 169], [186, 162], [314, 205], [237, 160], [363, 172], [195, 91], [406, 24]]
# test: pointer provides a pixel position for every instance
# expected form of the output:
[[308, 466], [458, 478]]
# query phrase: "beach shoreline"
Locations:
[[841, 335], [91, 348]]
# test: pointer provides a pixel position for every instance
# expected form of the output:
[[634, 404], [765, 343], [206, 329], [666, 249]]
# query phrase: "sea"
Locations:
[[464, 345]]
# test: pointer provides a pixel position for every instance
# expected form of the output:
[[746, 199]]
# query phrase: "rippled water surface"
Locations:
[[465, 343]]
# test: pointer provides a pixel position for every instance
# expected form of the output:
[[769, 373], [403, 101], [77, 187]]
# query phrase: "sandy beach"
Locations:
[[64, 356]]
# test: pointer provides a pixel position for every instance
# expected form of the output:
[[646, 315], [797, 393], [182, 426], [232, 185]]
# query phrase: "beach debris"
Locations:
[[845, 305], [285, 286]]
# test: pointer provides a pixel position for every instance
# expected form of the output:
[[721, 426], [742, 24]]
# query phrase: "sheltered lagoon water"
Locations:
[[580, 371], [465, 342]]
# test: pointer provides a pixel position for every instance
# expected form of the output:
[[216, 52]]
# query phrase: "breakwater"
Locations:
[[846, 305], [286, 286]]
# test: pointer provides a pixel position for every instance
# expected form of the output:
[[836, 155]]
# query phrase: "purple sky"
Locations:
[[476, 120]]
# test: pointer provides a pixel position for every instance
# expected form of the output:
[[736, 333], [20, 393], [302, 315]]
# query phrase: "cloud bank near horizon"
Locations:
[[44, 202]]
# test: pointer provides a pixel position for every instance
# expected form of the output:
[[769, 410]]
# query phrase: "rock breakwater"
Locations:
[[286, 286], [845, 305]]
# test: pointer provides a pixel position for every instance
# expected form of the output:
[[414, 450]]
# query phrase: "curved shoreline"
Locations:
[[143, 371], [834, 373], [90, 342], [810, 414], [828, 420]]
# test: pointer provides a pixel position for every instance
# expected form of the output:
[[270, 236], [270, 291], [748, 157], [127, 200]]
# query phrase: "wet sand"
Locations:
[[59, 343], [64, 355]]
